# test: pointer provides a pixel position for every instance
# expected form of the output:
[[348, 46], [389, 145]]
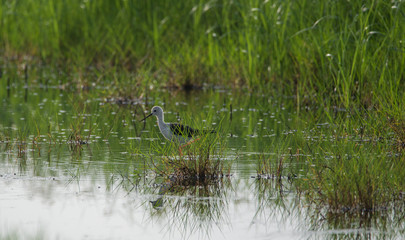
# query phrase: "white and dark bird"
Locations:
[[175, 132]]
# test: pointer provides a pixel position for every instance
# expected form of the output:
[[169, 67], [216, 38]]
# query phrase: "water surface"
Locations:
[[76, 166]]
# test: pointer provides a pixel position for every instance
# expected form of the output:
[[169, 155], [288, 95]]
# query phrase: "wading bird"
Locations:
[[176, 132]]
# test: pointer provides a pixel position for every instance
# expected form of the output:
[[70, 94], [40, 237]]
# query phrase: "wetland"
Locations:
[[303, 99], [78, 166]]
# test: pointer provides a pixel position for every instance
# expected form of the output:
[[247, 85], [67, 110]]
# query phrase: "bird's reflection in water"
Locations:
[[192, 208], [158, 203]]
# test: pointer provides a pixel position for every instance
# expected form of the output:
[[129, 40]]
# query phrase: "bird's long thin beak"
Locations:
[[146, 117]]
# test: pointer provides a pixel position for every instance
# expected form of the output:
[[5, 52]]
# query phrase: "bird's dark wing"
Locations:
[[183, 130]]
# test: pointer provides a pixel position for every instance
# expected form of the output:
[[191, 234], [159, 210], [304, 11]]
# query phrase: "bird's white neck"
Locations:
[[161, 120], [164, 128]]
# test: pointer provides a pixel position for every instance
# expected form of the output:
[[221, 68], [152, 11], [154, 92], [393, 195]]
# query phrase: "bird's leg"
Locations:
[[181, 147], [180, 150], [190, 142]]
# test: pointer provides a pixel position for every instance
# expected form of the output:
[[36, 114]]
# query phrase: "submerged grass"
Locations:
[[195, 208], [348, 165], [357, 181], [359, 171]]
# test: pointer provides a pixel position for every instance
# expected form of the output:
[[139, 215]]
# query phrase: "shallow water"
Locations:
[[54, 188]]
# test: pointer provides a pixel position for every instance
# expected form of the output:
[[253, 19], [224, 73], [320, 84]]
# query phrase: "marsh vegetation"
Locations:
[[306, 99]]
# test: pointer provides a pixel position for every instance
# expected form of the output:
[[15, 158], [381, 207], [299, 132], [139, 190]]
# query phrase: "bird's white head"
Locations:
[[156, 111]]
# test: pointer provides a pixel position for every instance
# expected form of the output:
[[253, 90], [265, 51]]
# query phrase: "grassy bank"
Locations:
[[343, 51]]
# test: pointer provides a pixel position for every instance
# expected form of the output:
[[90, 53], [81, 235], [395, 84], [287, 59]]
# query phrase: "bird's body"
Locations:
[[175, 132]]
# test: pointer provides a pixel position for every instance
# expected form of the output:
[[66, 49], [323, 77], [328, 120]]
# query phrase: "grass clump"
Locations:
[[354, 166], [199, 163], [350, 177]]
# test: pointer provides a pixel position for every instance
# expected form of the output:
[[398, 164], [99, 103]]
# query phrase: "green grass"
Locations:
[[352, 166], [200, 162], [340, 60], [341, 51], [360, 170], [349, 178]]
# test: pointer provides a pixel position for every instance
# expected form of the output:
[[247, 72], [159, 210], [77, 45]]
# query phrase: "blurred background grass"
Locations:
[[342, 51]]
